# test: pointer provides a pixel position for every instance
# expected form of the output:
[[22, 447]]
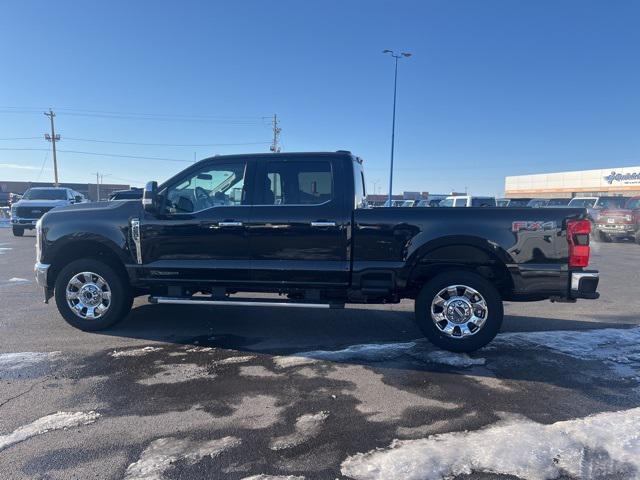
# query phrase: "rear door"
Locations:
[[298, 227]]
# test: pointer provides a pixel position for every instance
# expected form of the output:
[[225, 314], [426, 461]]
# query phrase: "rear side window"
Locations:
[[460, 202], [633, 204], [297, 183]]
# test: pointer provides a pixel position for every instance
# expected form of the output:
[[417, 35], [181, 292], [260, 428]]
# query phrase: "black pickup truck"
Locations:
[[298, 225]]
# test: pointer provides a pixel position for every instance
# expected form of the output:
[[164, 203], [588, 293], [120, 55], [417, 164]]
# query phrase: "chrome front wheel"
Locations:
[[88, 295], [459, 311]]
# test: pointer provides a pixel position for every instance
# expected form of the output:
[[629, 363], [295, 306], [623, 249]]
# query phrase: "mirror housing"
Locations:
[[150, 197], [77, 199]]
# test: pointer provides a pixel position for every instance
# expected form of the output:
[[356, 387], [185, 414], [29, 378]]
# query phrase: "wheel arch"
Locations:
[[461, 253], [86, 248]]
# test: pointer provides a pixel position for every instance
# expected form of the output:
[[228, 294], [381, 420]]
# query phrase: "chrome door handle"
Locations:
[[230, 224], [323, 224]]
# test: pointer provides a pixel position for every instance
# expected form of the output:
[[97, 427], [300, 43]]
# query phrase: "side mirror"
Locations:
[[150, 197], [78, 198]]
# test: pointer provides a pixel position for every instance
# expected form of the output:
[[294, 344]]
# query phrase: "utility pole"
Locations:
[[393, 121], [275, 147], [99, 180], [53, 138]]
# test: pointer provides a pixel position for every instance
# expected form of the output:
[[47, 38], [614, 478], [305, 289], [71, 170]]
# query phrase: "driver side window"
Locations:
[[214, 185]]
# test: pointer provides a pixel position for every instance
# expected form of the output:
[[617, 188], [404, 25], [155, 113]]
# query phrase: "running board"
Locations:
[[241, 303]]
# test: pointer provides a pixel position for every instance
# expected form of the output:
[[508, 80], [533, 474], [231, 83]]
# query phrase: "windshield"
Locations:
[[555, 202], [615, 202], [45, 194], [582, 202], [483, 202]]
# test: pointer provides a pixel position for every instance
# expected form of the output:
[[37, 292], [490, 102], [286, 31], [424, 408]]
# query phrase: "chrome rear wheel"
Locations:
[[459, 311]]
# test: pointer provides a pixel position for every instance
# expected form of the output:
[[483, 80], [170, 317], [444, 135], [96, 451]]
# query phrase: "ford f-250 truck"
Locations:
[[297, 224]]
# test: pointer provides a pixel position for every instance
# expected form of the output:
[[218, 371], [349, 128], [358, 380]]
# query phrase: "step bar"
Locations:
[[241, 303]]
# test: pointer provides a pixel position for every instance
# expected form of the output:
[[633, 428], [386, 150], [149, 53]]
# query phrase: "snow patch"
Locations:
[[23, 364], [200, 349], [234, 360], [162, 453], [176, 373], [19, 280], [617, 347], [593, 447], [307, 427], [4, 250], [293, 361], [136, 352], [56, 421]]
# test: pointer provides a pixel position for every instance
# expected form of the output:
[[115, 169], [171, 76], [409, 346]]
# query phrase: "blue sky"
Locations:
[[495, 87]]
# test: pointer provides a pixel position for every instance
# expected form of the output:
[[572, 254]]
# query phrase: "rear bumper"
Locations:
[[584, 284]]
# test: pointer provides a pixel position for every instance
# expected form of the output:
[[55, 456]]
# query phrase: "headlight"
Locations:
[[39, 240], [14, 211], [628, 218]]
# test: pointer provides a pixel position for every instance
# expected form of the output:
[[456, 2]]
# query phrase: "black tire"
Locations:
[[479, 338], [18, 231], [638, 237], [120, 302]]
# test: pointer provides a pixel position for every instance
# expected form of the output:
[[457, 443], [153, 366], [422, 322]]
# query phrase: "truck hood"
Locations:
[[41, 203]]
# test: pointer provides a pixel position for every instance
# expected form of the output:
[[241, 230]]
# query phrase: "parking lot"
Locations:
[[236, 393]]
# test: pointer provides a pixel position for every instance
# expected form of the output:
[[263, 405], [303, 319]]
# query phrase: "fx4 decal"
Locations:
[[532, 226]]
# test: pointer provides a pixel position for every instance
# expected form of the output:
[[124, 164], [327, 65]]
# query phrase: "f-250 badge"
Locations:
[[532, 226]]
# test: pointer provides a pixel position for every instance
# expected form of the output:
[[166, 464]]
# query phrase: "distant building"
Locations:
[[607, 181], [89, 190]]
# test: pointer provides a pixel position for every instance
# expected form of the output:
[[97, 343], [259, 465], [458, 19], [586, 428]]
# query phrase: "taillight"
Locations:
[[578, 237]]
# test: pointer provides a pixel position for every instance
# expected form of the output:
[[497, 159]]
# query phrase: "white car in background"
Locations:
[[468, 201], [36, 202]]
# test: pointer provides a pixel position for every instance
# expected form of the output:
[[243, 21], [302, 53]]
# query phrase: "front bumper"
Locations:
[[584, 284], [42, 279], [24, 222], [620, 230]]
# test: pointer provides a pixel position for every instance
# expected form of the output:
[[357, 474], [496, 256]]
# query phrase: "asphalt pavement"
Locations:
[[182, 392]]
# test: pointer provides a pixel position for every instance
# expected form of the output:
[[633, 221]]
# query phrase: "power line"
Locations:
[[21, 138], [100, 154], [117, 142]]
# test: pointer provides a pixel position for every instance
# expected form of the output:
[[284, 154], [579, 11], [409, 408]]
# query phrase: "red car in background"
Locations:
[[615, 223]]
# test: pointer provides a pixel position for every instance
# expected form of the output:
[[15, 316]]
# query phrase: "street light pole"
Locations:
[[393, 122]]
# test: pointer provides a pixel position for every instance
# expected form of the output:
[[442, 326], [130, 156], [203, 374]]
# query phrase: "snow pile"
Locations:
[[618, 347], [23, 364], [162, 453], [56, 421], [200, 349], [4, 250], [380, 352], [136, 352], [593, 447], [307, 427], [369, 352], [443, 357], [19, 280]]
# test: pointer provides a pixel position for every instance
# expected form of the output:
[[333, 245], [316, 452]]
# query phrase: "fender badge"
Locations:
[[532, 226]]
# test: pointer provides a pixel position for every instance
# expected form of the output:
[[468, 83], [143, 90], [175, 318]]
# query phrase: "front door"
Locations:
[[297, 232], [200, 234]]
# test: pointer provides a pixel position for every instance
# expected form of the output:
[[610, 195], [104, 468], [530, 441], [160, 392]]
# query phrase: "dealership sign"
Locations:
[[624, 178]]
